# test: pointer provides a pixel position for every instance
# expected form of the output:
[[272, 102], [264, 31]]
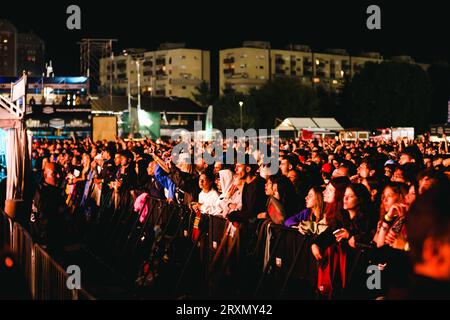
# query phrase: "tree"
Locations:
[[203, 94], [439, 74], [388, 94], [283, 98], [227, 111]]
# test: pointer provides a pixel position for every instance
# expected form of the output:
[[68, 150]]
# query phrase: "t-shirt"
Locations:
[[208, 201]]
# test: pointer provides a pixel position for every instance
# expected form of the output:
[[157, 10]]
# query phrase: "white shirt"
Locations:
[[208, 201]]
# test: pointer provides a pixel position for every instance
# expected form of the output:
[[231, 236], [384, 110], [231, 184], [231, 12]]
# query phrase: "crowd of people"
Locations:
[[388, 197]]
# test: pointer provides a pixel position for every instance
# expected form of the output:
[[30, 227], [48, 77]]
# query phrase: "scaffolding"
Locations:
[[91, 51]]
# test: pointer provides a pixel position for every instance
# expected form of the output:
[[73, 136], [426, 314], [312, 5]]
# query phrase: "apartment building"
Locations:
[[8, 48], [244, 68], [172, 70], [251, 65], [20, 52]]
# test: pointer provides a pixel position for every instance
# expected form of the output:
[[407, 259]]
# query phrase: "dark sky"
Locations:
[[408, 27]]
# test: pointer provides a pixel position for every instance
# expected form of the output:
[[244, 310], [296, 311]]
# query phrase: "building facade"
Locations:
[[251, 65], [20, 52], [30, 54], [8, 49], [172, 70]]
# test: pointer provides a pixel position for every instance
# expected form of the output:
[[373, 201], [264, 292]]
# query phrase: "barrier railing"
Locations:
[[44, 278], [6, 231], [281, 266]]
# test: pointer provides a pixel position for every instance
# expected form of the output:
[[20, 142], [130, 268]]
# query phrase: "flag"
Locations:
[[307, 135]]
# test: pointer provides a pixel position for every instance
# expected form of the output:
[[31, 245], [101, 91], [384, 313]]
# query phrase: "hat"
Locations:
[[389, 162], [327, 168]]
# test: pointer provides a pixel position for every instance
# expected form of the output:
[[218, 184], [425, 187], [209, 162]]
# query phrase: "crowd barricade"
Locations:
[[278, 265], [6, 231], [288, 271], [44, 278]]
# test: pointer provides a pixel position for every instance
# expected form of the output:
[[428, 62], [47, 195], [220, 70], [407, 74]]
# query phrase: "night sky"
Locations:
[[419, 30]]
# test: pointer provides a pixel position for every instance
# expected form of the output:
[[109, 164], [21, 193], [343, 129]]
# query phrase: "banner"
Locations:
[[18, 89]]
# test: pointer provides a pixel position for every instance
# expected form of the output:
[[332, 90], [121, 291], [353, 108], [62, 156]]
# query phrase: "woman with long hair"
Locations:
[[337, 247], [391, 229], [314, 208], [281, 202]]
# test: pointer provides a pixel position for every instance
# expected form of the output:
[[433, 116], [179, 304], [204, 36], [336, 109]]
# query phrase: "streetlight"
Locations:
[[240, 105]]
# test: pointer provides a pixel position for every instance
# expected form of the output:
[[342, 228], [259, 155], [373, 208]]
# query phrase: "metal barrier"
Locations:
[[6, 231], [23, 250], [44, 278], [51, 282]]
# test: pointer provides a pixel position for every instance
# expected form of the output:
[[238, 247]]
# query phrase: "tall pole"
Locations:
[[111, 76], [139, 93], [130, 123], [240, 106], [139, 85]]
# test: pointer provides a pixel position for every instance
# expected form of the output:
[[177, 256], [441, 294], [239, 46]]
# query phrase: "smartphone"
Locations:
[[76, 173], [337, 231]]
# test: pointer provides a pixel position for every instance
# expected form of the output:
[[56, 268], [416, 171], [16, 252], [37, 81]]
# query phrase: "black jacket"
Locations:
[[50, 222], [254, 201]]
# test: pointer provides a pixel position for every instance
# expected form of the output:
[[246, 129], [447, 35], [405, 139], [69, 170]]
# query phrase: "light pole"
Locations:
[[240, 105], [139, 85]]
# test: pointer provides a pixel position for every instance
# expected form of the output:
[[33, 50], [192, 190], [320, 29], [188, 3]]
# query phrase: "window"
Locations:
[[243, 66], [183, 57], [170, 60], [183, 87], [261, 67]]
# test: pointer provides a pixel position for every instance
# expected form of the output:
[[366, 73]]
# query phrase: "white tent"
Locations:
[[17, 152], [297, 124]]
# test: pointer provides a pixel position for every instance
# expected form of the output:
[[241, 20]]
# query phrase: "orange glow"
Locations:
[[9, 263]]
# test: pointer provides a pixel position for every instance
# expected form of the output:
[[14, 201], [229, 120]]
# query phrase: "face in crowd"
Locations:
[[350, 200], [389, 198], [311, 199], [329, 193], [285, 167], [204, 183]]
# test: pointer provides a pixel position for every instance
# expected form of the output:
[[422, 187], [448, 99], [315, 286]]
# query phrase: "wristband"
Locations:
[[387, 220]]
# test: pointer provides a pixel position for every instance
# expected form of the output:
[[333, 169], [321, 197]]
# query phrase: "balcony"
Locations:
[[161, 61], [185, 82], [279, 61], [148, 73], [228, 60], [148, 64]]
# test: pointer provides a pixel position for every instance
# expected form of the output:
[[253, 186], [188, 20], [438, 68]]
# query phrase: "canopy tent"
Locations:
[[297, 124], [18, 151]]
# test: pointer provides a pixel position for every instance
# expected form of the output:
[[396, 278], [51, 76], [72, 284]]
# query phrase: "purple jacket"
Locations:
[[295, 220]]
